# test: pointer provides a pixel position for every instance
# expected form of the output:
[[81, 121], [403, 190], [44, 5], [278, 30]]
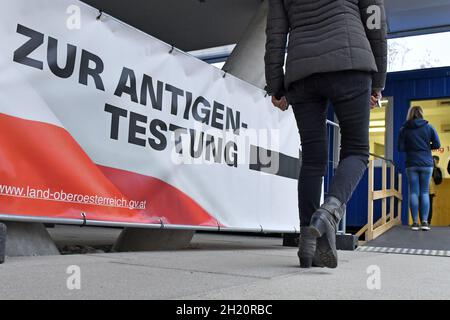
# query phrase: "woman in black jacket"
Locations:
[[337, 53]]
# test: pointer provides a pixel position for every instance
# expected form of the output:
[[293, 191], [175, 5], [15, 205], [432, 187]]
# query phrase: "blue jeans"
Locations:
[[419, 188]]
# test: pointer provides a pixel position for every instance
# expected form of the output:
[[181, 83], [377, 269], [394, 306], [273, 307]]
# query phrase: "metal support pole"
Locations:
[[342, 228]]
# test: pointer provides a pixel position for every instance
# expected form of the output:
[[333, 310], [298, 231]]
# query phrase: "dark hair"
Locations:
[[436, 158]]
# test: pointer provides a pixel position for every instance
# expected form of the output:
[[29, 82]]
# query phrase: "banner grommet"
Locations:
[[83, 215]]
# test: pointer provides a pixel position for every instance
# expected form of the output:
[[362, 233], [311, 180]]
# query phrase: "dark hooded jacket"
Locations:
[[417, 138], [324, 36]]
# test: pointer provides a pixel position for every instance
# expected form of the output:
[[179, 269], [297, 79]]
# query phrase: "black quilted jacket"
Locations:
[[324, 36]]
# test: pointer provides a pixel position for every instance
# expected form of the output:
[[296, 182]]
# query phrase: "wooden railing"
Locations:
[[372, 229]]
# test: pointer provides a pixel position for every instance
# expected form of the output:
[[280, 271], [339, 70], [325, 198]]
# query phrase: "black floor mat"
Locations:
[[403, 240]]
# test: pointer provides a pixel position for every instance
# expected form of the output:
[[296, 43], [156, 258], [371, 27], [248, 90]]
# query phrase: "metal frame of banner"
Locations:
[[99, 223]]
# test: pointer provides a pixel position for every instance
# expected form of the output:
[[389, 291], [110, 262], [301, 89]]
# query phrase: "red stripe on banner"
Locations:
[[44, 172]]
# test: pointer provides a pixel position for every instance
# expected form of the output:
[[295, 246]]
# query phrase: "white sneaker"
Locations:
[[425, 226]]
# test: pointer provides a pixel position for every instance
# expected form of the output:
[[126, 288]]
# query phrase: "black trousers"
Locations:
[[349, 92]]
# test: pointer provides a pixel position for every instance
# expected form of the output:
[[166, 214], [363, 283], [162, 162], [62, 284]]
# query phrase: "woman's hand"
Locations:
[[281, 103], [375, 98]]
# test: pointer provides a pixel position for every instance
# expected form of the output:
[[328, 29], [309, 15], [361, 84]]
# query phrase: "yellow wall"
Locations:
[[443, 153], [377, 137], [441, 205], [377, 116]]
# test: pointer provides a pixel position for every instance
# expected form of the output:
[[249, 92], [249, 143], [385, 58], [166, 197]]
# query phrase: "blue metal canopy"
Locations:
[[416, 17]]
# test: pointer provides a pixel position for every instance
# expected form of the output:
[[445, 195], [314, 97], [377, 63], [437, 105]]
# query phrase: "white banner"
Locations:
[[99, 121]]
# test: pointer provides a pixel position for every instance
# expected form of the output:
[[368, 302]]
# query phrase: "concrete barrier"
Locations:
[[142, 239], [2, 242], [28, 239]]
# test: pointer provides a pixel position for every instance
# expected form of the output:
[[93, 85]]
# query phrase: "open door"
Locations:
[[437, 112]]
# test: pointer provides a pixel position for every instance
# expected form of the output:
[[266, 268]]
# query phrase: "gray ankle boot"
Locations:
[[324, 223], [307, 246], [307, 252]]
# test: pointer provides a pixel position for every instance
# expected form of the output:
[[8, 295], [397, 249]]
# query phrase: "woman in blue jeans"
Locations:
[[417, 138]]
